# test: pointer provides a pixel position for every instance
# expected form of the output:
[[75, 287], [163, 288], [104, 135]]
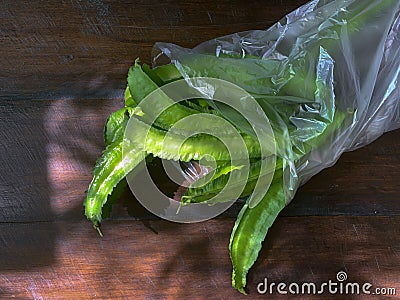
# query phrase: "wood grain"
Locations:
[[84, 48], [132, 261], [63, 70], [50, 147]]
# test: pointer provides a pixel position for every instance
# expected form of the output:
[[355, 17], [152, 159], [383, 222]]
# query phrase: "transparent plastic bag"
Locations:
[[327, 77]]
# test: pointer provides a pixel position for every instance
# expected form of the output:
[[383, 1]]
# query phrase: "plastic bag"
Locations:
[[323, 59], [325, 80]]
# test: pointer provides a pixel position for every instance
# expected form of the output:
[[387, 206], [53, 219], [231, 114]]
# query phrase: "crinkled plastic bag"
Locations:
[[328, 64]]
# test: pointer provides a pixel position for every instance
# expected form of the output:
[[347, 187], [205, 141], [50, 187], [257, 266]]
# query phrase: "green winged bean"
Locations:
[[250, 229]]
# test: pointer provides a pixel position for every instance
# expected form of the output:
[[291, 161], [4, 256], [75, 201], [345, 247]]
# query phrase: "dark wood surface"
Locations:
[[63, 70]]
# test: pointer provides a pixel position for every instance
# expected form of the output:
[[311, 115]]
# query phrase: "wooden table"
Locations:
[[63, 70]]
